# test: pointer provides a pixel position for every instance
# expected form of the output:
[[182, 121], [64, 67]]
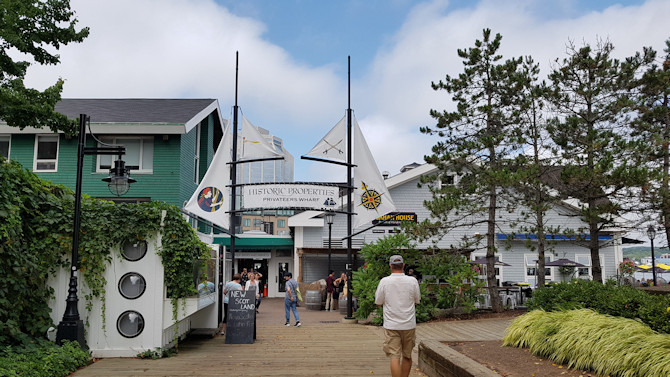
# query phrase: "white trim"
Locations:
[[115, 139], [526, 266], [9, 147], [188, 126], [586, 262], [196, 155], [55, 169]]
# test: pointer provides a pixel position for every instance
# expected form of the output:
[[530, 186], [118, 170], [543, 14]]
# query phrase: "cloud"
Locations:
[[398, 91], [186, 49]]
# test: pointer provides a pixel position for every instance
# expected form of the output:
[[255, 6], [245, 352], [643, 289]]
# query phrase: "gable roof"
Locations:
[[135, 115], [132, 110]]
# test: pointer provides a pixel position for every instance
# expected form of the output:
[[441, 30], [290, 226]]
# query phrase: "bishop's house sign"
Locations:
[[290, 195]]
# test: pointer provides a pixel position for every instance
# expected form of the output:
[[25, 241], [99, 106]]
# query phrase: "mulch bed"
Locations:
[[512, 361], [508, 361]]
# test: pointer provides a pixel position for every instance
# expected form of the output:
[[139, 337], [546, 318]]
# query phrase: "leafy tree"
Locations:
[[653, 126], [476, 144], [589, 93], [31, 27]]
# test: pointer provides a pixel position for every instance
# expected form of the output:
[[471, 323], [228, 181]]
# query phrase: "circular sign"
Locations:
[[210, 199]]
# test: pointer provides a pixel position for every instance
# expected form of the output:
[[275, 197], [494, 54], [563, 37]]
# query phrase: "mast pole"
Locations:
[[233, 175], [349, 197]]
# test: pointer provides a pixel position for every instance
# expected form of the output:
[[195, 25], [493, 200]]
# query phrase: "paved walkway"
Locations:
[[322, 346]]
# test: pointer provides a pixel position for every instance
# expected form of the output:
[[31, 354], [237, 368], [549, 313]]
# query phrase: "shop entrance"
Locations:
[[256, 265]]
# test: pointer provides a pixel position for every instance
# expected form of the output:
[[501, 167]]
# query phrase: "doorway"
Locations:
[[256, 265]]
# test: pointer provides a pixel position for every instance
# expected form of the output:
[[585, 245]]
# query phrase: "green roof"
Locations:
[[257, 243]]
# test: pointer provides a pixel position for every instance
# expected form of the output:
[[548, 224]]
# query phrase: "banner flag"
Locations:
[[371, 197], [212, 198], [254, 145], [334, 145]]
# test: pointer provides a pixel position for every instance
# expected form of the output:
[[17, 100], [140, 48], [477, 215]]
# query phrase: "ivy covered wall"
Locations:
[[36, 219]]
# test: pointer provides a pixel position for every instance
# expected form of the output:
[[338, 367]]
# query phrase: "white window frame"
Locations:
[[281, 223], [584, 259], [482, 272], [55, 161], [9, 147], [119, 141], [529, 262], [441, 183], [196, 156]]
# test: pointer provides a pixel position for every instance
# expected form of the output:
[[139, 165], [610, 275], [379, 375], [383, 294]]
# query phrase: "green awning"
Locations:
[[255, 243]]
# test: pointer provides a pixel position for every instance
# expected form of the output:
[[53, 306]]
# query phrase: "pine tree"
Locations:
[[589, 93], [475, 143], [534, 165], [652, 129], [31, 27]]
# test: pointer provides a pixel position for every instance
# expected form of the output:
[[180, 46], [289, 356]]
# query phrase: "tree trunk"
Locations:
[[595, 250], [541, 246], [496, 302]]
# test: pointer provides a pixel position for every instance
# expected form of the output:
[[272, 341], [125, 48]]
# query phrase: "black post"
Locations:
[[349, 198], [72, 327], [330, 250], [653, 262], [233, 176]]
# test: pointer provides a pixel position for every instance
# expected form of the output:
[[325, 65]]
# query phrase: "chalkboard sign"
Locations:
[[241, 317]]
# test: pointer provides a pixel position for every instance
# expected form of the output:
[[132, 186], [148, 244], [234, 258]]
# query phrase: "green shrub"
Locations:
[[44, 359], [584, 339], [449, 268], [608, 298]]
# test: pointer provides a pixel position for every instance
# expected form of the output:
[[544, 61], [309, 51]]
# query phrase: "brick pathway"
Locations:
[[322, 346]]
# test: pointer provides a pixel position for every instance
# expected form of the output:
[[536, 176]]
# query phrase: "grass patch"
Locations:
[[584, 339]]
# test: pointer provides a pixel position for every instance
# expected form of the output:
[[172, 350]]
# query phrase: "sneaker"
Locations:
[[287, 324], [297, 324]]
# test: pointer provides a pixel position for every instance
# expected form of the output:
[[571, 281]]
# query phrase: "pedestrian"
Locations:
[[244, 277], [398, 294], [330, 291], [233, 285], [341, 284], [291, 300], [253, 284]]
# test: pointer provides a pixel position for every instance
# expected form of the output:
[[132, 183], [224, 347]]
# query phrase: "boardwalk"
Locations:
[[321, 347]]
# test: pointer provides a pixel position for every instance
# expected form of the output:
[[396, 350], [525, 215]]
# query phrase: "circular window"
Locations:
[[130, 324], [135, 251], [132, 285]]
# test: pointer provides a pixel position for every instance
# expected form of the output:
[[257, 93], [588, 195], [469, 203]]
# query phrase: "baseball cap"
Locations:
[[396, 259]]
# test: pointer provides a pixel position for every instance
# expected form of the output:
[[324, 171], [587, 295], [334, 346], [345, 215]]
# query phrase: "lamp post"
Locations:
[[71, 326], [651, 233], [329, 219]]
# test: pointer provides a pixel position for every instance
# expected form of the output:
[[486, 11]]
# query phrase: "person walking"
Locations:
[[398, 294], [330, 291], [252, 283], [233, 285], [291, 300]]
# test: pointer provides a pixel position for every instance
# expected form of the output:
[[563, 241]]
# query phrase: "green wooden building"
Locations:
[[169, 145]]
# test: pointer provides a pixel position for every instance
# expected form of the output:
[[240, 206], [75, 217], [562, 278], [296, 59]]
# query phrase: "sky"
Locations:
[[293, 54]]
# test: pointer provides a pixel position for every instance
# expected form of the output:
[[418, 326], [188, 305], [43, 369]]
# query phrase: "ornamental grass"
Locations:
[[584, 339]]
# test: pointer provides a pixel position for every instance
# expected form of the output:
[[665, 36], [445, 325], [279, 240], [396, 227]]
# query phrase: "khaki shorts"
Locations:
[[399, 343]]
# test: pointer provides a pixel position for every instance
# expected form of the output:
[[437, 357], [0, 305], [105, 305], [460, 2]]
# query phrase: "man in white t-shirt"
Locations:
[[398, 294]]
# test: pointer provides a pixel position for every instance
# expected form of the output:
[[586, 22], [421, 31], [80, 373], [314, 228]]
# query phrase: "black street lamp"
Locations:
[[71, 326], [329, 219], [651, 233]]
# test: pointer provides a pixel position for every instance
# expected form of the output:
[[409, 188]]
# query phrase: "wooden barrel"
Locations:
[[313, 300], [343, 305]]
